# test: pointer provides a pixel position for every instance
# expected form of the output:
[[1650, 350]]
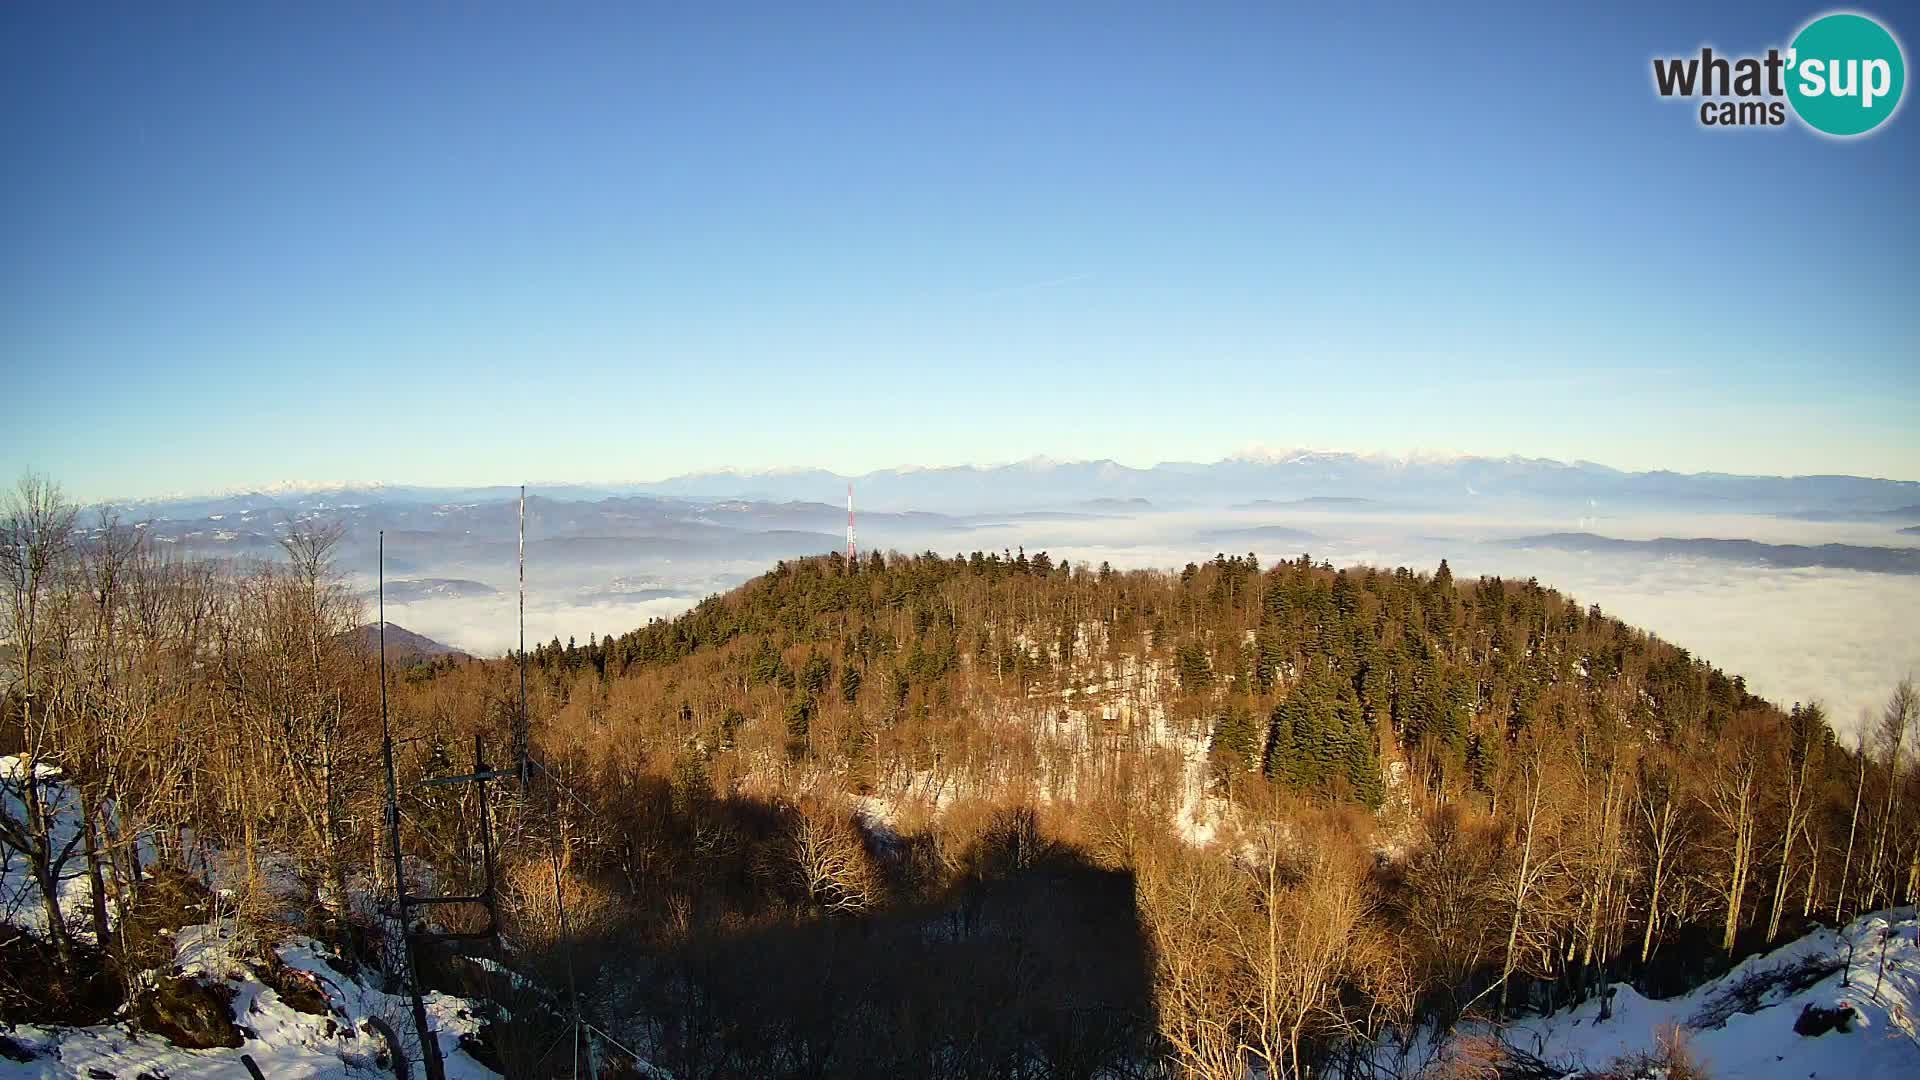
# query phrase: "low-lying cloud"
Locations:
[[1838, 636]]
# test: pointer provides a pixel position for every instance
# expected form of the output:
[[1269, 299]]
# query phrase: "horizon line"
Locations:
[[1255, 454]]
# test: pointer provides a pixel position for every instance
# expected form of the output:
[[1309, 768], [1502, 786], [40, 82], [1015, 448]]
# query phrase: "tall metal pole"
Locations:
[[522, 737], [526, 765], [429, 1045], [560, 910], [480, 769]]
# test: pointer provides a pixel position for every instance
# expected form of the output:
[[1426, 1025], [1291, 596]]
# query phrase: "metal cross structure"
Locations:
[[520, 721], [588, 1039], [404, 904]]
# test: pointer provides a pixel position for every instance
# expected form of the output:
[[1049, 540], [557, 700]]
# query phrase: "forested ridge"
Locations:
[[981, 815], [1297, 668]]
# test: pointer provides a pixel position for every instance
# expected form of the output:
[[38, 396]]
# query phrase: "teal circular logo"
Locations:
[[1845, 73]]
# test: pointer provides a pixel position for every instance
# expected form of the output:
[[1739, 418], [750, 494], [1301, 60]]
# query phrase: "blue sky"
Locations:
[[488, 243]]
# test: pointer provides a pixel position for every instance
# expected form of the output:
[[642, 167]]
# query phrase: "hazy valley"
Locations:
[[1801, 584]]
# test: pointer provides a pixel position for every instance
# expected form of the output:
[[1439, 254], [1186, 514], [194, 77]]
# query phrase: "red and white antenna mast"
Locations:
[[850, 547]]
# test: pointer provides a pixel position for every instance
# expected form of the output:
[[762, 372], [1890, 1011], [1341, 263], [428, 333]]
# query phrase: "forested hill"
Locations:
[[1301, 671], [1197, 822], [1459, 798]]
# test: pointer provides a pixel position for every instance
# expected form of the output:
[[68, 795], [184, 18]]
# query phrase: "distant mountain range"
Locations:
[[1830, 556], [1259, 534], [427, 535], [1305, 477], [454, 544], [1896, 515], [1307, 474]]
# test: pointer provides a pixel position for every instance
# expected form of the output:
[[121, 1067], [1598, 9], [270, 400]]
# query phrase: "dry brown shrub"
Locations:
[[1671, 1058], [533, 907]]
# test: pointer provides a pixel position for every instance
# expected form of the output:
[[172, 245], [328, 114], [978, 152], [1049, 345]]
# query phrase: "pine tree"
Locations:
[[849, 683], [1280, 765], [1267, 658], [765, 665], [1322, 740], [1236, 738], [799, 720], [815, 674], [1192, 665], [1363, 762]]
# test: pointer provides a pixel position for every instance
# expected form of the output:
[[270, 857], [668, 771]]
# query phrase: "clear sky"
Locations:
[[483, 243]]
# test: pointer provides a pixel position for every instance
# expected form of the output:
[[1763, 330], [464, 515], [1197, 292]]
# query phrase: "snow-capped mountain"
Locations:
[[1300, 473]]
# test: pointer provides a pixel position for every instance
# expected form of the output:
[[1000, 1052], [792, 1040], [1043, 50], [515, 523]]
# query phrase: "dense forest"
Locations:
[[916, 815]]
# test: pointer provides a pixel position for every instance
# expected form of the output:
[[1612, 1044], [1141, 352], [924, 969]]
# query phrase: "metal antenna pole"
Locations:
[[523, 736], [429, 1045], [386, 735], [560, 911]]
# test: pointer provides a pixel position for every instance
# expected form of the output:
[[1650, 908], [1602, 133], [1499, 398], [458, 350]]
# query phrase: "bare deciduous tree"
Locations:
[[1666, 830], [297, 684], [36, 537], [1895, 718], [827, 859], [1535, 863], [1731, 792]]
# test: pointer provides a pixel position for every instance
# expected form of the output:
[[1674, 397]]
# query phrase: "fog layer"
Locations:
[[1842, 637]]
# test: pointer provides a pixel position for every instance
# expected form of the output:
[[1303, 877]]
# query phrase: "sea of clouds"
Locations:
[[1840, 637]]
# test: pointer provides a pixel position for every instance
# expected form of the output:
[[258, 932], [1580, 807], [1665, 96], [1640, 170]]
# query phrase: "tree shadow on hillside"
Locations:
[[1030, 960]]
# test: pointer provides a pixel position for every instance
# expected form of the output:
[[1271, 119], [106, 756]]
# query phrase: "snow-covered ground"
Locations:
[[283, 1041], [20, 902], [1741, 1025]]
